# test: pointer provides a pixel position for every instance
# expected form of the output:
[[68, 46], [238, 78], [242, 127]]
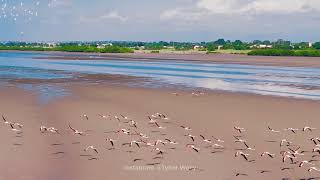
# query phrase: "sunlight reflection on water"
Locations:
[[265, 80]]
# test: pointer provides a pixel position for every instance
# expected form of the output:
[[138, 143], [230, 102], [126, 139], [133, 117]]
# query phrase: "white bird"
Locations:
[[111, 141], [132, 123], [104, 116], [85, 116], [160, 127], [5, 120], [216, 146], [305, 162], [160, 141], [205, 140], [124, 131], [148, 143], [313, 169], [16, 124], [151, 121], [272, 130], [124, 117], [43, 129], [14, 129], [186, 128], [288, 143], [192, 146], [247, 147], [191, 136], [217, 139], [159, 151], [239, 129], [292, 130], [143, 135], [315, 140], [287, 156], [296, 152], [245, 156], [171, 142], [76, 131], [132, 142], [239, 139], [269, 154], [53, 130], [308, 128], [92, 148], [316, 150]]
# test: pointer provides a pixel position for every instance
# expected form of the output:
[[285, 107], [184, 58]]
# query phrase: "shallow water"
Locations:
[[266, 80]]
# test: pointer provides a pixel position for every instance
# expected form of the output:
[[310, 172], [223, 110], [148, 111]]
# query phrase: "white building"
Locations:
[[197, 47], [261, 46], [101, 46]]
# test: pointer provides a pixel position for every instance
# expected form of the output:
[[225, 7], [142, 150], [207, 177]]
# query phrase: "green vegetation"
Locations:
[[284, 52], [155, 52], [256, 47], [316, 45], [71, 48]]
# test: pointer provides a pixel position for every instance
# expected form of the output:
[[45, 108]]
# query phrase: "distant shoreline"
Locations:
[[290, 61]]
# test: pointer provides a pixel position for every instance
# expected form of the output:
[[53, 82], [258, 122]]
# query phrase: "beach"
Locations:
[[159, 90], [36, 155]]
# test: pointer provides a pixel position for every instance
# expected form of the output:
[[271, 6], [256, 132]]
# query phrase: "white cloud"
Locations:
[[250, 9], [185, 14], [258, 6], [114, 15]]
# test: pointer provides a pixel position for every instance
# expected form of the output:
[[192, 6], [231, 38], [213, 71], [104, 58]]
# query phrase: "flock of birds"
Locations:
[[158, 142], [13, 11]]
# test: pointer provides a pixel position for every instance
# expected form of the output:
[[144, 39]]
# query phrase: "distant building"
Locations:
[[310, 44], [261, 46], [220, 47], [50, 45], [101, 46], [197, 47]]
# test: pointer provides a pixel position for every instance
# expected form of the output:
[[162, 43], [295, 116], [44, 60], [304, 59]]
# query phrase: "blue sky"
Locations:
[[154, 20]]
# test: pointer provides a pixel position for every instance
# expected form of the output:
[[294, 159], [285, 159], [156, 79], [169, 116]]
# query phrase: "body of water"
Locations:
[[266, 80]]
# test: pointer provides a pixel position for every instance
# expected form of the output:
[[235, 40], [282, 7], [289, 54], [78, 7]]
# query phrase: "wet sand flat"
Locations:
[[52, 156], [200, 58]]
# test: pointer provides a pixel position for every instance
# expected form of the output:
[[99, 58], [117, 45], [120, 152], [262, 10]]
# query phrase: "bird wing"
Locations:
[[137, 144], [270, 155], [156, 124], [4, 119], [192, 138], [202, 137], [246, 144], [195, 149], [72, 128], [244, 156]]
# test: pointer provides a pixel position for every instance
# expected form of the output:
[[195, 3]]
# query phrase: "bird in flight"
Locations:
[[92, 148], [269, 154], [239, 129], [76, 131], [272, 130]]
